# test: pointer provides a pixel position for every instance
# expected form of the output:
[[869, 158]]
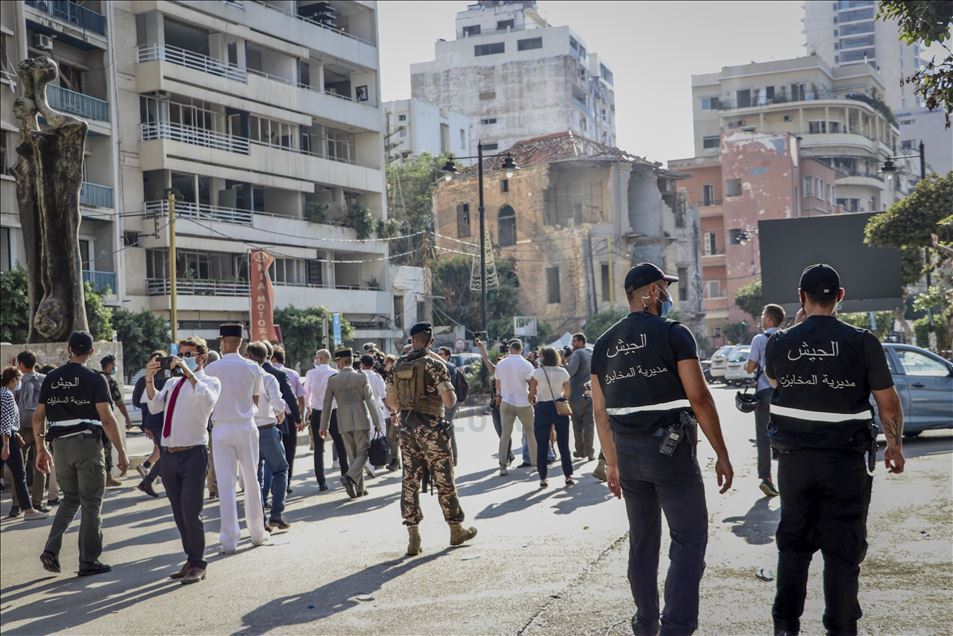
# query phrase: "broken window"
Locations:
[[489, 49], [506, 226], [463, 220], [485, 95], [743, 98], [552, 285], [733, 188], [709, 247]]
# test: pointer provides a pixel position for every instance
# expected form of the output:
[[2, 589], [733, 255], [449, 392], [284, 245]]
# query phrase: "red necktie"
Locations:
[[167, 428]]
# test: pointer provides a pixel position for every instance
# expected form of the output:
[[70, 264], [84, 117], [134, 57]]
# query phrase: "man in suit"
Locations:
[[288, 428], [356, 411]]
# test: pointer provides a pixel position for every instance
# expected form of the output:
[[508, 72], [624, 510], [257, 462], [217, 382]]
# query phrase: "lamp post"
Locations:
[[510, 167], [889, 168]]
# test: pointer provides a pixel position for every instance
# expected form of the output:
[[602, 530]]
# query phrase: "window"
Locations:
[[710, 103], [552, 285], [816, 127], [6, 254], [713, 288], [491, 147], [709, 246], [916, 363], [289, 271], [768, 94], [733, 188], [856, 55], [743, 98], [529, 44], [463, 220], [708, 194], [606, 74], [712, 141], [489, 49], [834, 126], [850, 204], [463, 138], [401, 117], [604, 279], [504, 185], [488, 120], [487, 95], [399, 312], [471, 30], [682, 284], [315, 273], [506, 226], [808, 186], [505, 25], [737, 236], [797, 92], [130, 239]]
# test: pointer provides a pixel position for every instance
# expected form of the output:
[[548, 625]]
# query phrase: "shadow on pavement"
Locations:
[[758, 525], [329, 599], [923, 446], [520, 502], [586, 492]]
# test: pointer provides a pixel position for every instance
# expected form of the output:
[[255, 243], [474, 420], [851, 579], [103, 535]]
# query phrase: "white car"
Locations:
[[735, 372], [719, 361]]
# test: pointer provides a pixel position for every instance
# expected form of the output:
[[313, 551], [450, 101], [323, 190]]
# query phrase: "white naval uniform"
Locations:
[[235, 445]]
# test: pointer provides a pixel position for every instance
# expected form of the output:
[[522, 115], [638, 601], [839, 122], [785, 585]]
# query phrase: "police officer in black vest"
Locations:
[[647, 389], [825, 371]]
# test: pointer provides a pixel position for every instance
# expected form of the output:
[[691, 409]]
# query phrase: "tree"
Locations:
[[883, 319], [140, 333], [736, 332], [909, 224], [303, 333], [926, 21], [750, 300], [409, 200], [14, 306], [458, 304], [98, 315], [600, 322]]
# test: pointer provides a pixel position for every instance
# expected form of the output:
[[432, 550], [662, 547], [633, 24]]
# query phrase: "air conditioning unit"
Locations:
[[42, 41]]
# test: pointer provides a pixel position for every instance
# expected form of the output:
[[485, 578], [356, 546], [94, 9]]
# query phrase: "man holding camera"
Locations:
[[186, 401]]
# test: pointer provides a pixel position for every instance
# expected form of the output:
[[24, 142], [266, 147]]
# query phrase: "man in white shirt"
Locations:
[[512, 396], [315, 386], [235, 439], [186, 401], [271, 412]]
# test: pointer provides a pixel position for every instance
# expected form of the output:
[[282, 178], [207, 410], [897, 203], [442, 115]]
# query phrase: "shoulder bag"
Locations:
[[562, 404]]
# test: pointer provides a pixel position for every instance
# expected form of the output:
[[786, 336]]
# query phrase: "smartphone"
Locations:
[[502, 347]]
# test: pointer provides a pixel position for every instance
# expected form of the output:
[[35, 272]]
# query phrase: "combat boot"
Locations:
[[600, 471], [413, 544], [459, 534]]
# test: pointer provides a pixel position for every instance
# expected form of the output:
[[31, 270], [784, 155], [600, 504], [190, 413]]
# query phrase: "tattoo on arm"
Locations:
[[893, 427]]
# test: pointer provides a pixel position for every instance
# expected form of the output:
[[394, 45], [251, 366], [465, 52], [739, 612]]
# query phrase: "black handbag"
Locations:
[[379, 452]]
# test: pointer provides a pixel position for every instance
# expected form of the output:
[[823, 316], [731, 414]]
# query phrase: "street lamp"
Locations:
[[509, 166], [889, 168]]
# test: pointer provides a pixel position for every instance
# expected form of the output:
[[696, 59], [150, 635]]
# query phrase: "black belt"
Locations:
[[181, 449], [266, 427]]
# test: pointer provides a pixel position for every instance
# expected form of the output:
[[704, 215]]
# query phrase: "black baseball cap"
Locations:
[[80, 342], [820, 279], [645, 274]]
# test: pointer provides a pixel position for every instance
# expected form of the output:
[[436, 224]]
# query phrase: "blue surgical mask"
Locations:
[[18, 386], [665, 305], [191, 363]]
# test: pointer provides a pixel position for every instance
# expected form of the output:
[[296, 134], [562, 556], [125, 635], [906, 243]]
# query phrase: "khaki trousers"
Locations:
[[508, 415]]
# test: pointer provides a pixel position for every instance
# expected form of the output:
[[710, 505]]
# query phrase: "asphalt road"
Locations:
[[544, 562]]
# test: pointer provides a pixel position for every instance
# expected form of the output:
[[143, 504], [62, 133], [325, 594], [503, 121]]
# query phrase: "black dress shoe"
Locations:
[[89, 569], [322, 487], [147, 488], [525, 465], [349, 486], [289, 491], [50, 562]]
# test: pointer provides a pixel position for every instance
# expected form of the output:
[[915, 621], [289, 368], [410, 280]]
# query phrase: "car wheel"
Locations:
[[912, 435]]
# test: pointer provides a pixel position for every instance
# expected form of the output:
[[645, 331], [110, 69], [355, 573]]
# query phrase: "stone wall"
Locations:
[[55, 353]]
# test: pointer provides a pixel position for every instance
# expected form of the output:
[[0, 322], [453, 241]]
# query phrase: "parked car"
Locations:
[[735, 372], [924, 381], [719, 362], [706, 370], [468, 361]]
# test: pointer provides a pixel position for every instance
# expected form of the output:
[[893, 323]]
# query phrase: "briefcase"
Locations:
[[379, 452]]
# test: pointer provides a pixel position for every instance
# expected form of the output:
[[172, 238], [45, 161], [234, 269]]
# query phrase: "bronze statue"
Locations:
[[49, 173]]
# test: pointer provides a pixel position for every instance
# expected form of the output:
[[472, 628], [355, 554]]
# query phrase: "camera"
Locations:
[[167, 367]]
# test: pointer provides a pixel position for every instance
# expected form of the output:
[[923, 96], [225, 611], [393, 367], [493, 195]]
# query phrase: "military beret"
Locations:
[[344, 353], [421, 327], [230, 331]]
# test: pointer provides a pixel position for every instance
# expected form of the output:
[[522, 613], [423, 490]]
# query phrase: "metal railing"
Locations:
[[70, 12], [101, 281], [95, 195], [77, 103], [315, 23], [193, 287], [200, 211], [809, 96], [276, 78], [191, 59], [235, 3], [195, 136]]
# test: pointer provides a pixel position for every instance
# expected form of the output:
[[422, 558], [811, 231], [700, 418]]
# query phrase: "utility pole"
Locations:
[[173, 312], [428, 279], [611, 272], [928, 260]]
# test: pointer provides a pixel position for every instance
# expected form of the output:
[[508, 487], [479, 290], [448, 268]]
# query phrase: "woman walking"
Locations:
[[549, 391], [12, 453]]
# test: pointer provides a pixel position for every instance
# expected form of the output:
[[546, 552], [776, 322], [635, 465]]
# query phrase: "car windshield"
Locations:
[[723, 351], [739, 355]]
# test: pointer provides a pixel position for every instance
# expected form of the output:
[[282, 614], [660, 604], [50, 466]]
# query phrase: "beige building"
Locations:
[[263, 118], [574, 218]]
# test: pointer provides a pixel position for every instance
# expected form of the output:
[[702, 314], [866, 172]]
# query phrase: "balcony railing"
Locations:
[[72, 13], [77, 103], [200, 211], [101, 281], [809, 96], [190, 59], [315, 23], [195, 136], [275, 78], [95, 195], [192, 287]]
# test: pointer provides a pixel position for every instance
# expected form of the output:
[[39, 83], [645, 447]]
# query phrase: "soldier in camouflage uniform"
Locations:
[[108, 364], [419, 388]]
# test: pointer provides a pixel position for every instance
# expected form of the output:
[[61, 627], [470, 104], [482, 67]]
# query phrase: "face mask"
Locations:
[[666, 305], [18, 386], [191, 363]]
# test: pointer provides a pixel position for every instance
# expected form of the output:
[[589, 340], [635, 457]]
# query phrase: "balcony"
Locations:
[[80, 104], [71, 13], [315, 23], [192, 287], [195, 136], [809, 96], [102, 282], [200, 212], [192, 60], [95, 196]]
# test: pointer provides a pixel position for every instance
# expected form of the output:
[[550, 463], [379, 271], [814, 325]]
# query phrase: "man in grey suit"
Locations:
[[356, 411]]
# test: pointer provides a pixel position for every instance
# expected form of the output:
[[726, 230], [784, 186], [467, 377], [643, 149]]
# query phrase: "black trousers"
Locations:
[[289, 439], [825, 496], [183, 475], [336, 439], [19, 472]]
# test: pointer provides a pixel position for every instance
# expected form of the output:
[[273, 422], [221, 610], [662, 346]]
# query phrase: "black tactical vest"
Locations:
[[823, 397], [642, 390]]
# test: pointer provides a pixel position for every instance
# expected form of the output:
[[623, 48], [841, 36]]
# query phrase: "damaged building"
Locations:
[[573, 219]]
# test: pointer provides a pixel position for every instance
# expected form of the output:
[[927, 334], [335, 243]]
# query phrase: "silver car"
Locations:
[[719, 362], [924, 381]]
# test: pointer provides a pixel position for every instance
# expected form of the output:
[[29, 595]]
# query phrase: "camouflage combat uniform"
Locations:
[[425, 442]]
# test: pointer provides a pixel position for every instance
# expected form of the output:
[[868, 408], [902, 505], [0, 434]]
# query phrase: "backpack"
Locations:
[[460, 385], [29, 396]]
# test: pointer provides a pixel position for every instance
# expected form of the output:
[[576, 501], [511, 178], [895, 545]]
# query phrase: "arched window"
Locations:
[[506, 226]]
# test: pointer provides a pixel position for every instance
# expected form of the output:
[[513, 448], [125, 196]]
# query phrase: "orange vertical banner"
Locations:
[[262, 325]]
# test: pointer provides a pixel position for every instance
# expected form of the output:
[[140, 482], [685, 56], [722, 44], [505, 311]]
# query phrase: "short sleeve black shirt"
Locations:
[[72, 392]]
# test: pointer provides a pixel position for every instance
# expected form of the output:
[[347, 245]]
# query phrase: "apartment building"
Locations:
[[413, 126], [264, 120], [518, 77]]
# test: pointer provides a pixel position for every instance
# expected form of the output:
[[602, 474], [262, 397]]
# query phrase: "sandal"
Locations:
[[50, 562], [544, 484], [570, 482]]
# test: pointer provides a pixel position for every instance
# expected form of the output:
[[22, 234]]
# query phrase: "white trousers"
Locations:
[[236, 446]]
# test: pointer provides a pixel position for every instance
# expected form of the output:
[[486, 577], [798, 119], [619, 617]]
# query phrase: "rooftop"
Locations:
[[561, 146]]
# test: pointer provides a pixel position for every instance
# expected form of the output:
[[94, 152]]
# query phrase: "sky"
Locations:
[[653, 49]]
